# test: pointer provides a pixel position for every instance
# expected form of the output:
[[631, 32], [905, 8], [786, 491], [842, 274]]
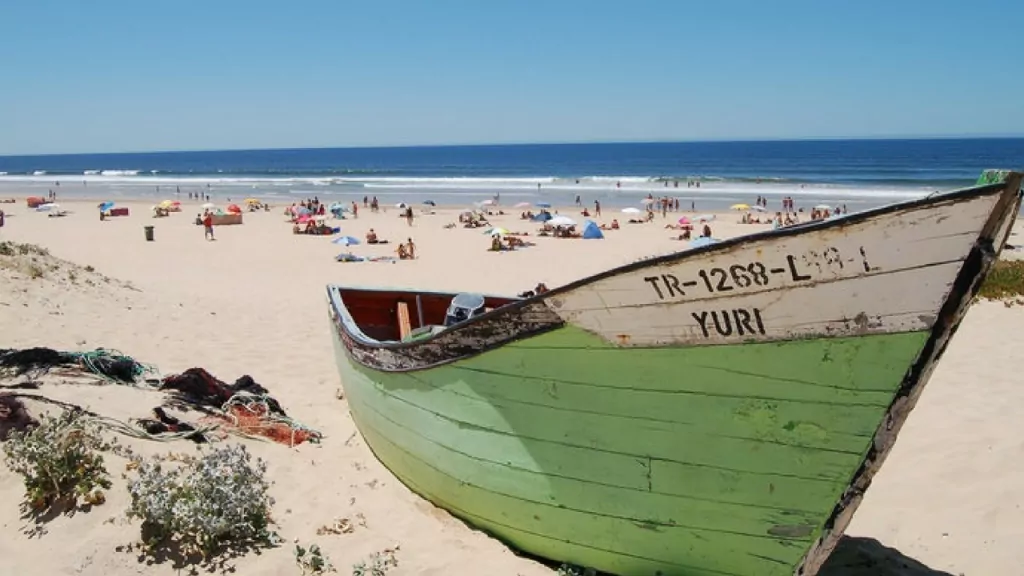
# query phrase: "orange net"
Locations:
[[253, 417]]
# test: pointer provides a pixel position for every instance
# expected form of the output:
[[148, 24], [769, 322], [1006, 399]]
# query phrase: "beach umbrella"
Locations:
[[703, 241], [166, 204], [234, 208], [304, 218], [301, 211], [630, 210], [430, 203], [523, 205], [208, 206], [684, 221], [45, 207], [346, 240], [497, 232], [740, 207], [543, 205], [704, 218], [822, 207], [251, 201], [562, 221], [401, 205], [104, 206]]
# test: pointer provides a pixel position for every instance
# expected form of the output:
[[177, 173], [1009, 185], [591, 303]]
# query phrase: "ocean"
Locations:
[[860, 173]]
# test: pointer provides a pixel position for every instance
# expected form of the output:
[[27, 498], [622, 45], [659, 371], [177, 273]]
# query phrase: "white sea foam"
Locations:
[[119, 173], [599, 185]]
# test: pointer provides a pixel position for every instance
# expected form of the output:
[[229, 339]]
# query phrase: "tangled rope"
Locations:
[[113, 424], [107, 365], [254, 416], [244, 407], [113, 366]]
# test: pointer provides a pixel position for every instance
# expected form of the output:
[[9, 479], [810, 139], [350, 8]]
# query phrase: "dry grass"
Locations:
[[32, 262], [1005, 281]]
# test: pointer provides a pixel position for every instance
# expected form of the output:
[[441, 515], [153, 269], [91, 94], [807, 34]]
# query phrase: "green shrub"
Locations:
[[60, 462], [203, 504]]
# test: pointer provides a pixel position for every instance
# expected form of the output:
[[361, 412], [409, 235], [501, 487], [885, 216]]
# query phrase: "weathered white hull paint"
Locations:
[[890, 273]]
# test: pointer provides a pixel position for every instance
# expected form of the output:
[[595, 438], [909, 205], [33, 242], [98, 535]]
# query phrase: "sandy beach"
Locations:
[[252, 302]]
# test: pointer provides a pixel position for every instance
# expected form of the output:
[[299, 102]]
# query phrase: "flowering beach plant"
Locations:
[[60, 462], [218, 499]]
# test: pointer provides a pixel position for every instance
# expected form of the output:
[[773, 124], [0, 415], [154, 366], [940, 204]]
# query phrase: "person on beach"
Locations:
[[409, 215], [411, 249], [208, 226], [597, 208]]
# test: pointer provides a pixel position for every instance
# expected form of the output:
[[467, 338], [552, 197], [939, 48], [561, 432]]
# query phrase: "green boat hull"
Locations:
[[701, 460]]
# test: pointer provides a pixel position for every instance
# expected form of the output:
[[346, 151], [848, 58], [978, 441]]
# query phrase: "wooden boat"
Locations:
[[718, 411]]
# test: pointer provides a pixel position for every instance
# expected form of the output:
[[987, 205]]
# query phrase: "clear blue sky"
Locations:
[[132, 75]]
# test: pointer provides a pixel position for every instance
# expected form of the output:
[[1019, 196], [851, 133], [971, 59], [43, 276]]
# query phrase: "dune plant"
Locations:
[[378, 563], [203, 504], [312, 560], [60, 462]]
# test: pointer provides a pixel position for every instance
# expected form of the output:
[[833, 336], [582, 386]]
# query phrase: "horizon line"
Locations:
[[1010, 136]]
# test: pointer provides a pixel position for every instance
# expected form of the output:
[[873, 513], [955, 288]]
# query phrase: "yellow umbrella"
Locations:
[[166, 204], [251, 201], [740, 207]]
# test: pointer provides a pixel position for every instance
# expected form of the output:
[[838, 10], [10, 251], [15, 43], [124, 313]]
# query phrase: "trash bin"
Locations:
[[149, 233]]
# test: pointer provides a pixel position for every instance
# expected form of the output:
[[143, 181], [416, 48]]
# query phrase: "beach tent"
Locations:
[[542, 217], [591, 231]]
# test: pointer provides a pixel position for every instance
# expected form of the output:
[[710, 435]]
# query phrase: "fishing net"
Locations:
[[255, 416], [108, 365], [244, 407]]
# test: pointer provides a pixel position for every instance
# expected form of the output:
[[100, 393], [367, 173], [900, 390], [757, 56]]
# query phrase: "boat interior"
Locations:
[[397, 316]]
